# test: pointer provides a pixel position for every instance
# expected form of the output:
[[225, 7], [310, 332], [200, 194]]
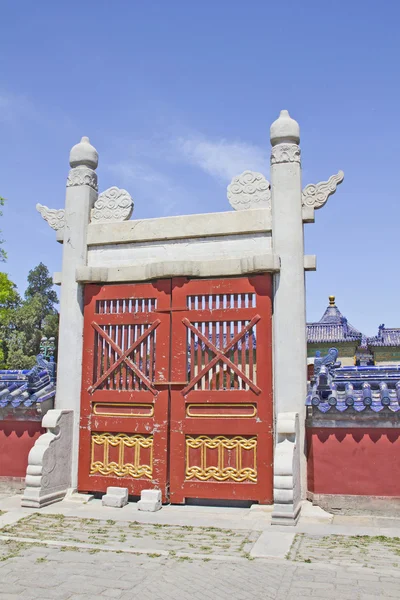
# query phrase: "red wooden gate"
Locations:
[[221, 420], [124, 417], [177, 388]]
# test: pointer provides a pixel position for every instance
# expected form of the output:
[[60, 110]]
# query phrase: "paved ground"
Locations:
[[73, 551], [29, 572]]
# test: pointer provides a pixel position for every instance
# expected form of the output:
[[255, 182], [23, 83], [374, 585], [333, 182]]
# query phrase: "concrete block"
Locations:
[[150, 500], [115, 497]]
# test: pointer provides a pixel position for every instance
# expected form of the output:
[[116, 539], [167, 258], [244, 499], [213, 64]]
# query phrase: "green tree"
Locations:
[[35, 317], [9, 301], [41, 284]]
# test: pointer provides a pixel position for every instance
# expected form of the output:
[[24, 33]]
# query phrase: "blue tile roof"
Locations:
[[356, 388], [25, 389], [386, 337], [333, 327]]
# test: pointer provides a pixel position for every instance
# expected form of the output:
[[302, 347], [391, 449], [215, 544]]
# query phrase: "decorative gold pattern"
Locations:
[[222, 414], [148, 407], [220, 472], [121, 468]]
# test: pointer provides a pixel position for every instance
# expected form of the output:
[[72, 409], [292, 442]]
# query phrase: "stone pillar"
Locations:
[[80, 197], [289, 317]]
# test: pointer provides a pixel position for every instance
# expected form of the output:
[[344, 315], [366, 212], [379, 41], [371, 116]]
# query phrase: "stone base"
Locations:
[[32, 499], [346, 504], [48, 476], [150, 500], [115, 497], [285, 514]]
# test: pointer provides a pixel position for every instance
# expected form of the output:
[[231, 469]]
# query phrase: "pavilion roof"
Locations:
[[333, 327], [385, 337]]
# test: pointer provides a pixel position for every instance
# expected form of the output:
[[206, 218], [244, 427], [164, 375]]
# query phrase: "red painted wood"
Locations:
[[360, 462], [208, 367], [124, 314], [16, 441], [219, 314]]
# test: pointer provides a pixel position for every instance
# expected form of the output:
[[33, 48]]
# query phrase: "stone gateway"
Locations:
[[182, 347]]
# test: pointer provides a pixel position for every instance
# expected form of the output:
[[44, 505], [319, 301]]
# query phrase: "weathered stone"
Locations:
[[287, 493], [115, 497], [48, 475], [150, 500]]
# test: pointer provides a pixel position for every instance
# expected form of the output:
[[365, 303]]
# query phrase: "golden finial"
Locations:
[[331, 300]]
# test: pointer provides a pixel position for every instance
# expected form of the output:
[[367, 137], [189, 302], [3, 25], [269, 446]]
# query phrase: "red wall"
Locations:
[[364, 462], [16, 440]]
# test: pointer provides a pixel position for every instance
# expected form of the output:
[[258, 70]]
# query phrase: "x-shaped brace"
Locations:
[[221, 355], [124, 357]]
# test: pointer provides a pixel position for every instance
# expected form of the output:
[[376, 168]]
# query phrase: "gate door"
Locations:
[[124, 415], [221, 418]]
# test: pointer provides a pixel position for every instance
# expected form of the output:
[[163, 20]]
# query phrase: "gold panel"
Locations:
[[250, 408], [224, 445], [123, 409], [122, 442]]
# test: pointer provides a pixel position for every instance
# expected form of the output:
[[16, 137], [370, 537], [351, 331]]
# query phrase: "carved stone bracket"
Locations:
[[249, 190], [82, 176], [112, 205], [54, 217], [48, 475], [316, 195], [287, 470], [285, 153]]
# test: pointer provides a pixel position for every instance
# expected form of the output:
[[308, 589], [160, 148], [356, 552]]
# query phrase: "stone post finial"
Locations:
[[84, 154], [285, 130], [83, 159]]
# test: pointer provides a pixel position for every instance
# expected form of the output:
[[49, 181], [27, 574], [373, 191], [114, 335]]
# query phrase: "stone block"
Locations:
[[48, 475], [150, 500], [115, 497]]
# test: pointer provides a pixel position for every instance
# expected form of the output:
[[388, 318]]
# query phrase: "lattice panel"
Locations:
[[221, 458], [221, 301], [239, 371], [122, 455], [118, 306], [124, 357]]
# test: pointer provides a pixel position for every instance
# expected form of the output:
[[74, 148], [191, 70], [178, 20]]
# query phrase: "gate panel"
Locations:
[[221, 417], [124, 412]]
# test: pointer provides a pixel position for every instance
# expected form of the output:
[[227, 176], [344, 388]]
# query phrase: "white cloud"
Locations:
[[159, 169], [148, 183], [221, 159]]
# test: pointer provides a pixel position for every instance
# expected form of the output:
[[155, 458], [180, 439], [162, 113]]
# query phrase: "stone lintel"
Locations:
[[310, 262], [57, 278], [308, 213], [185, 226], [183, 268], [60, 236]]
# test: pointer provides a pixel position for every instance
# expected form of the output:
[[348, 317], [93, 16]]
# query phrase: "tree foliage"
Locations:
[[10, 300], [29, 320]]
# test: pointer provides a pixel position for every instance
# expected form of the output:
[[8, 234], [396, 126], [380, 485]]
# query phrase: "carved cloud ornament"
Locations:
[[316, 195], [112, 205], [82, 176], [54, 217], [249, 190]]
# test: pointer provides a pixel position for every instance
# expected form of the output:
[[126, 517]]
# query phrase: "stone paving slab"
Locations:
[[360, 550], [131, 535], [30, 572]]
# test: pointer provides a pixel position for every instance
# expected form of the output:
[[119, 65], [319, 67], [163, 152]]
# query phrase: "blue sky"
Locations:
[[178, 97]]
